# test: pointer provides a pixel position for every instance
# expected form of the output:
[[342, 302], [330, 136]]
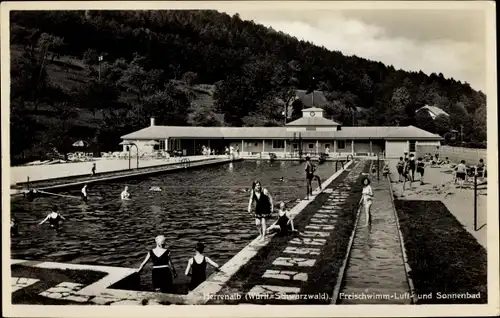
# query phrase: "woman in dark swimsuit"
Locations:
[[310, 176], [163, 270], [54, 218], [263, 207], [197, 267], [284, 224]]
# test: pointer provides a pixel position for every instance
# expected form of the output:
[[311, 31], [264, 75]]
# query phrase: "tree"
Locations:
[[96, 96], [442, 124], [47, 42], [480, 124], [190, 78], [204, 115], [424, 121]]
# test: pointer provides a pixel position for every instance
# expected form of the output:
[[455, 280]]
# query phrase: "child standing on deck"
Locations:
[[197, 267]]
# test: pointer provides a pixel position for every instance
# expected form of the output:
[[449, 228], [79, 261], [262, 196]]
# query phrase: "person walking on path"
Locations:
[[480, 170], [93, 169], [461, 171], [420, 169], [197, 267], [263, 207], [310, 168], [412, 167], [163, 273], [400, 166], [406, 173], [367, 199]]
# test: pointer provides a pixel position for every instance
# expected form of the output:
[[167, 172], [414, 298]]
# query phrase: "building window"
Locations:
[[278, 144], [162, 144], [311, 146], [295, 146], [412, 145], [341, 144]]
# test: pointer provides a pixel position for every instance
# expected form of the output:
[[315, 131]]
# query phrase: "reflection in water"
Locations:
[[207, 205]]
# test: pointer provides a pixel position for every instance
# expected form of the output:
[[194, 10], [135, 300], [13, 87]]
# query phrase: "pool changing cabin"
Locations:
[[317, 135]]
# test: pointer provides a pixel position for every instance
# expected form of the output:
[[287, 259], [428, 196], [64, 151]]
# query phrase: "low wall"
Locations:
[[454, 154]]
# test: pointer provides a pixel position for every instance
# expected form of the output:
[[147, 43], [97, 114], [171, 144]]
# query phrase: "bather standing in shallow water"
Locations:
[[163, 270], [54, 218]]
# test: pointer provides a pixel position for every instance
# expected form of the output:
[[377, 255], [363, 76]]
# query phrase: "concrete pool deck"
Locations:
[[100, 292], [20, 174]]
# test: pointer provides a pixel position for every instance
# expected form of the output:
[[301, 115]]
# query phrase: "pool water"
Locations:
[[205, 204]]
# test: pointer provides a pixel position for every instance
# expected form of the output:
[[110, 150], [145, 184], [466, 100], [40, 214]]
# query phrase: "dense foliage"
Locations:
[[95, 75]]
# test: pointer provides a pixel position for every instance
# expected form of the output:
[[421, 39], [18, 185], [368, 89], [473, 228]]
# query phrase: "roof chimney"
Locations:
[[152, 121]]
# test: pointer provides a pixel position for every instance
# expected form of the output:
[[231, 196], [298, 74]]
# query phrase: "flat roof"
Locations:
[[189, 132]]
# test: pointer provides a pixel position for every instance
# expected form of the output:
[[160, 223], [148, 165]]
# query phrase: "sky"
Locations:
[[451, 42]]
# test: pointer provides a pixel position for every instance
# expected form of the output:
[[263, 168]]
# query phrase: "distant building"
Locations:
[[433, 111], [312, 133]]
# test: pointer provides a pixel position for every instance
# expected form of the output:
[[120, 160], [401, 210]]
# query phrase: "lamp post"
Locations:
[[128, 144]]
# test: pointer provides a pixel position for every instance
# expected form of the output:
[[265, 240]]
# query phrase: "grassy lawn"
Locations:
[[443, 256], [49, 278]]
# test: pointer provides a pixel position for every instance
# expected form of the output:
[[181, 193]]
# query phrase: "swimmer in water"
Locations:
[[282, 179], [55, 219], [125, 195], [84, 193], [14, 226]]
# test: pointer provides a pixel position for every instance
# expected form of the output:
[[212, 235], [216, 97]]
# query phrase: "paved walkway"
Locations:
[[302, 268], [375, 271], [20, 174], [439, 185], [49, 283]]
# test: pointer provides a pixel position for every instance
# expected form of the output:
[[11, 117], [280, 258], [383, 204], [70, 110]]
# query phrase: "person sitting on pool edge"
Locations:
[[55, 219], [197, 266], [284, 224]]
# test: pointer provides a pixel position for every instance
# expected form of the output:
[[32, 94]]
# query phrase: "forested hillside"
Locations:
[[96, 75]]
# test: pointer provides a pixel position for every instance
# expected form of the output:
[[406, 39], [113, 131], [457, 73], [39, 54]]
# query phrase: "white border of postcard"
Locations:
[[492, 308]]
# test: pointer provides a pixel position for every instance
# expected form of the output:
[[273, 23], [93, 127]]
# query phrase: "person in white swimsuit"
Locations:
[[125, 195], [367, 199]]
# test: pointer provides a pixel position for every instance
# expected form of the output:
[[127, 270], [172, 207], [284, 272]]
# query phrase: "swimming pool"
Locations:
[[205, 204]]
